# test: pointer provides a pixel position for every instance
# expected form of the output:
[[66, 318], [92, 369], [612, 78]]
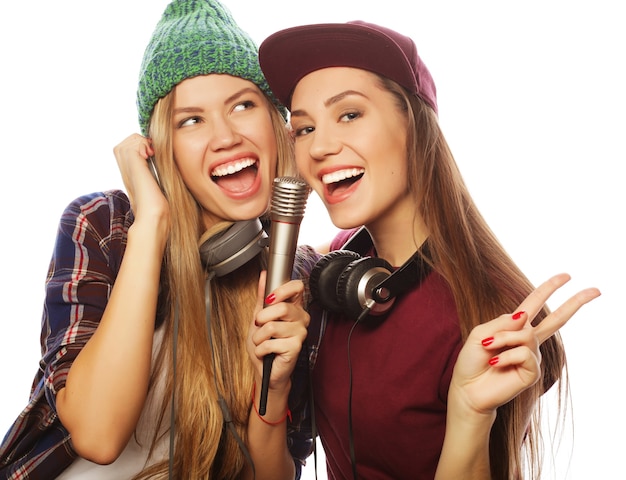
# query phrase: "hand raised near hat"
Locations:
[[146, 199]]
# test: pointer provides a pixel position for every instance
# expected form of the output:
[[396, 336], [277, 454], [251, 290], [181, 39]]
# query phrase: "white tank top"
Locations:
[[134, 458]]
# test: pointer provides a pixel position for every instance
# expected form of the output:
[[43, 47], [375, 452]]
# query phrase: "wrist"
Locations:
[[462, 412], [147, 234], [280, 409]]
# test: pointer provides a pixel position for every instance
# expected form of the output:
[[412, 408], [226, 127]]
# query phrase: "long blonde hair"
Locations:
[[483, 278], [204, 448]]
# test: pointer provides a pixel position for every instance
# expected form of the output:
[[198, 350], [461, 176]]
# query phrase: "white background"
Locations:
[[531, 98]]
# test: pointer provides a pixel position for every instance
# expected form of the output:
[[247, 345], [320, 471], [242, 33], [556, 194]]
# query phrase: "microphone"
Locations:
[[289, 196]]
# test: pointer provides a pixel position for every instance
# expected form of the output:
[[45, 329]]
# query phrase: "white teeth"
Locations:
[[340, 175], [229, 169]]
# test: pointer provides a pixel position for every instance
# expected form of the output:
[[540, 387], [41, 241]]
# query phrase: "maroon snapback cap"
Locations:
[[288, 55]]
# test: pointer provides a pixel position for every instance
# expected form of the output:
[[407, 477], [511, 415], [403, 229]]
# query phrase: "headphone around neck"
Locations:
[[232, 248], [343, 281]]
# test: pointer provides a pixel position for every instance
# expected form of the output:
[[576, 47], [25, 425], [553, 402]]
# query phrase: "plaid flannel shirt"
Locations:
[[89, 247]]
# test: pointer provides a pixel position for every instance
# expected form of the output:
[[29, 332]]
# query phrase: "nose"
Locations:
[[223, 135], [323, 143]]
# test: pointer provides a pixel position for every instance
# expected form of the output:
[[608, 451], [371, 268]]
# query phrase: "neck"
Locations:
[[397, 241]]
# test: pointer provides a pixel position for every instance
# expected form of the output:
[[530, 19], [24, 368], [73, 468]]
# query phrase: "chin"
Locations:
[[344, 222], [249, 214]]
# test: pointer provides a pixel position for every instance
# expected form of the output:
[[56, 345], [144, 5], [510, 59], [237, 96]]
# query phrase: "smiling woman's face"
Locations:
[[351, 145], [224, 145]]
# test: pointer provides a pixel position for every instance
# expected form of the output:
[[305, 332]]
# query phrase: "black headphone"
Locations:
[[343, 281], [228, 250]]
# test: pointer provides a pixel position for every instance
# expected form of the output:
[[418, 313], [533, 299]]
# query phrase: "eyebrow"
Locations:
[[232, 98], [177, 111], [330, 101]]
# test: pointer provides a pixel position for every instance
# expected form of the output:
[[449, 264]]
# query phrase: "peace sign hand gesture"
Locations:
[[501, 358]]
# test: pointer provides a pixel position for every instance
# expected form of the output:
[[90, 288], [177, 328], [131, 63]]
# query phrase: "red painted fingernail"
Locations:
[[487, 341], [517, 316], [270, 298], [494, 360]]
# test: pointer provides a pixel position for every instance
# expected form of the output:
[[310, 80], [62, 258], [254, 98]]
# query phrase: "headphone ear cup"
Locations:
[[356, 285], [325, 275], [229, 249]]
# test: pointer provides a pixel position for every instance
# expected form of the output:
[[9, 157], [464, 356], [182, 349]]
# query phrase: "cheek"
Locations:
[[395, 151], [260, 132], [302, 159], [186, 167], [186, 153], [270, 144], [189, 178]]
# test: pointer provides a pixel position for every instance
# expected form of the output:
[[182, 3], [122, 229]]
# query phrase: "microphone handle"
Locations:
[[289, 196], [283, 243]]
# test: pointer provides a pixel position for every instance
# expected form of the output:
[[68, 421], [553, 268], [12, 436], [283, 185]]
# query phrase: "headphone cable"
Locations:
[[221, 401], [361, 316], [173, 405]]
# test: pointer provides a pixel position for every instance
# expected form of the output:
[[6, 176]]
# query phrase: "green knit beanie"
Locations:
[[195, 37]]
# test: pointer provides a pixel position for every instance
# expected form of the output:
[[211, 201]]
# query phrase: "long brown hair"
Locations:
[[204, 448], [483, 278]]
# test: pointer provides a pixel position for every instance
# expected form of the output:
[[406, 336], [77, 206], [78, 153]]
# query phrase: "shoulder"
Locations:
[[111, 200], [95, 222], [98, 210], [305, 259], [342, 237]]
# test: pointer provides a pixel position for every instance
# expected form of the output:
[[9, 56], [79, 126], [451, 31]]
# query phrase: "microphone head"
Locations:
[[289, 196]]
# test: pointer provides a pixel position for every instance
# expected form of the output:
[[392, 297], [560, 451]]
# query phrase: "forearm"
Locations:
[[107, 384], [267, 437], [465, 452]]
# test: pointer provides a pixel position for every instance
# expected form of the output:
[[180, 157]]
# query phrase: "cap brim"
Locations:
[[289, 55]]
